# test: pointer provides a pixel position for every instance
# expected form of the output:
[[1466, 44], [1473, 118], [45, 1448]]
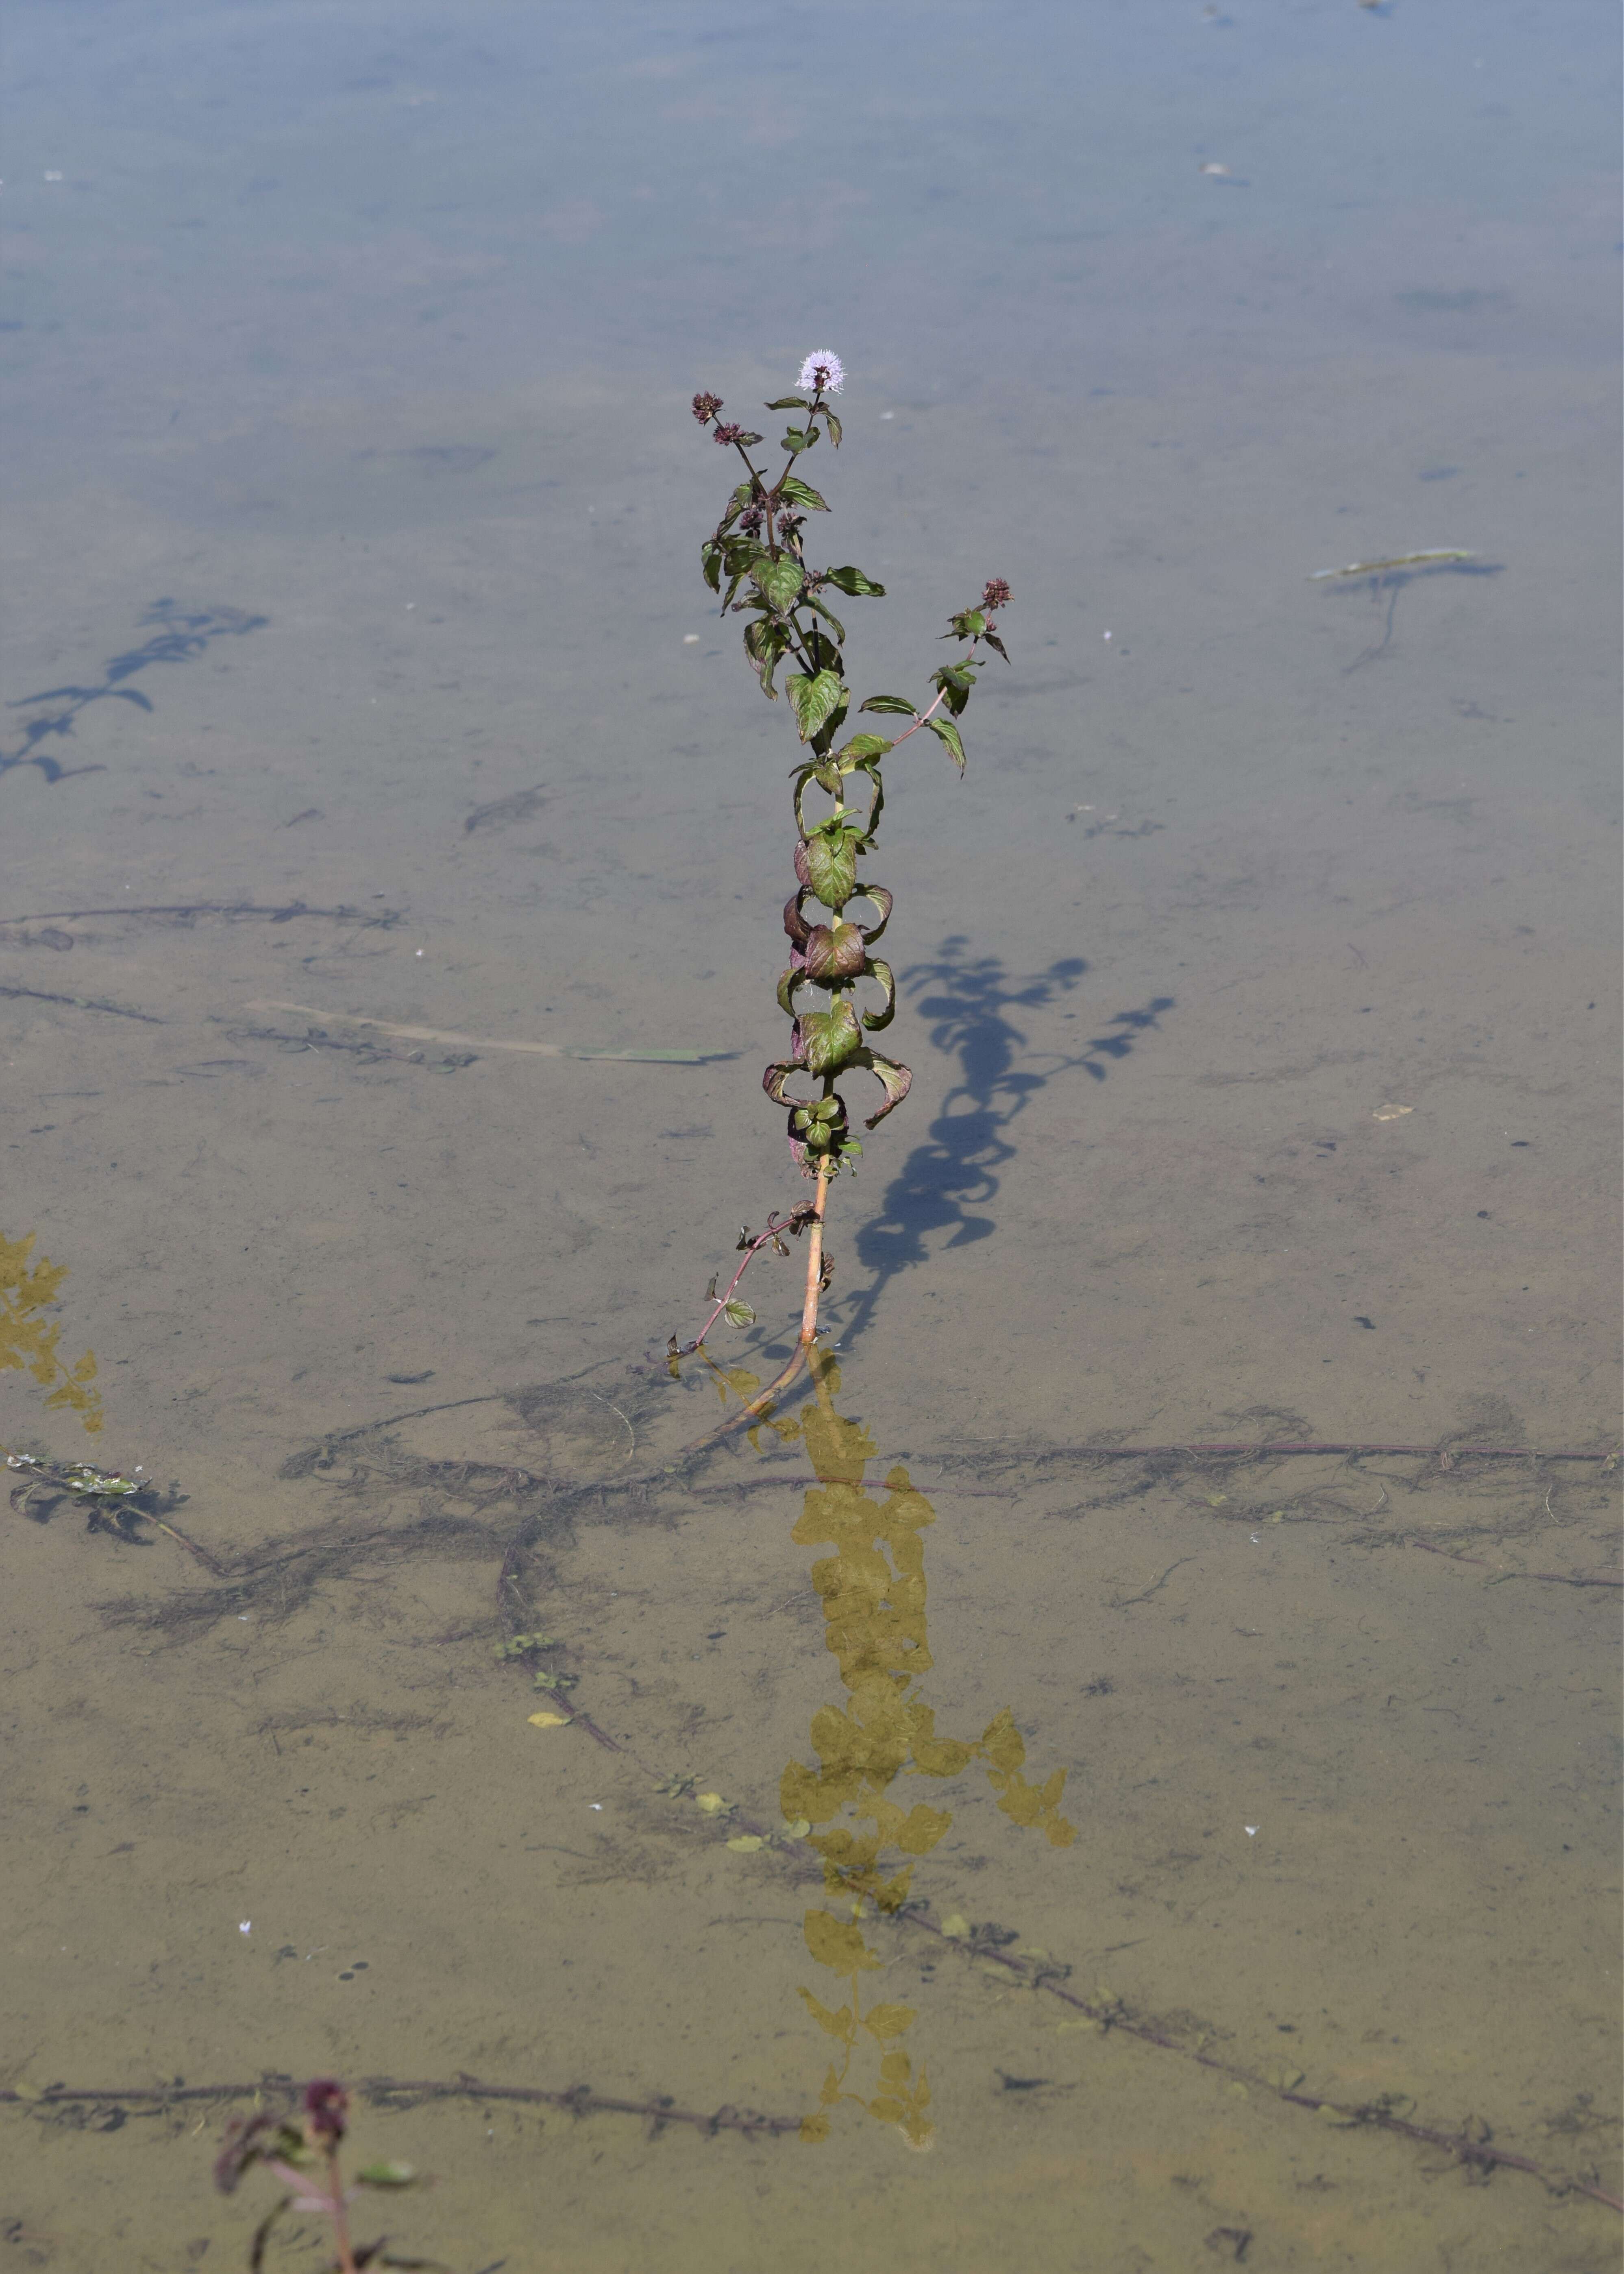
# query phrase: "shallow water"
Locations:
[[1260, 985]]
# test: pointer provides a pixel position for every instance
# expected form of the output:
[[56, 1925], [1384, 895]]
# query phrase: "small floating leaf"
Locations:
[[549, 1721], [748, 1843]]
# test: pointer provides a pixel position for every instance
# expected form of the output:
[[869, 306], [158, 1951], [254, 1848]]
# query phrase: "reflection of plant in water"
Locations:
[[873, 1593], [27, 1339]]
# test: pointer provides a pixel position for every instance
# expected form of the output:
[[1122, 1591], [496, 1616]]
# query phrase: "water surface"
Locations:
[[1260, 985]]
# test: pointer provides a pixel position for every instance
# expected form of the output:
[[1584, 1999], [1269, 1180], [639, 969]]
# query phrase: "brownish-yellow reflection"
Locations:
[[873, 1593], [28, 1339]]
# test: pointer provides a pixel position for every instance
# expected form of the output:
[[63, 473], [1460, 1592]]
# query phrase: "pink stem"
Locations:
[[761, 1240]]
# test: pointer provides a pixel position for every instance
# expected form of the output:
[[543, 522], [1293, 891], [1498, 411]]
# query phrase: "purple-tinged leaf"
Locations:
[[884, 902], [875, 1019], [898, 1081]]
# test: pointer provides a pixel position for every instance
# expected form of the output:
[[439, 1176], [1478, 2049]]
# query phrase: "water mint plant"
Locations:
[[303, 2155], [836, 993]]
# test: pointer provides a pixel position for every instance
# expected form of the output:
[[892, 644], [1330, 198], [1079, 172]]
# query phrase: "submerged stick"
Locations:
[[383, 918], [1397, 560], [1445, 1455], [485, 1043], [579, 2100], [1556, 1578], [80, 1003], [1372, 2115]]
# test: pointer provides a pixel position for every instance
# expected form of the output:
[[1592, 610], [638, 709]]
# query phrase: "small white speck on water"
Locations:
[[244, 1926], [1252, 1831]]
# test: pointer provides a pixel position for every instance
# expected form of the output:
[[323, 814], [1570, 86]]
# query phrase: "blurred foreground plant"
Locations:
[[304, 2157], [757, 560]]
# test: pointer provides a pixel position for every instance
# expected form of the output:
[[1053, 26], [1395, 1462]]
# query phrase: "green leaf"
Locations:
[[746, 441], [802, 493], [898, 702], [875, 1019], [853, 582], [828, 615], [778, 580], [865, 746], [834, 426], [993, 640], [798, 439], [710, 558], [898, 1080], [764, 642], [738, 1314], [886, 2021], [823, 742], [944, 731], [831, 864], [882, 901], [956, 683], [813, 700], [387, 2175], [829, 1039], [788, 403]]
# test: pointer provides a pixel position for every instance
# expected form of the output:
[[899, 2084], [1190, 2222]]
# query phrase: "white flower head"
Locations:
[[823, 371]]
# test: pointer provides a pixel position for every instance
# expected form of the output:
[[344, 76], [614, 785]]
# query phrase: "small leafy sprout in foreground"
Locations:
[[304, 2157]]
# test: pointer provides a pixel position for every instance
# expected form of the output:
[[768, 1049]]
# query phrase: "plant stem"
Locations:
[[341, 2214], [756, 1408]]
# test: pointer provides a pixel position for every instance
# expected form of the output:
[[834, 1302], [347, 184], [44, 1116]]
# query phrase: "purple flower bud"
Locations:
[[705, 407], [326, 2109]]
